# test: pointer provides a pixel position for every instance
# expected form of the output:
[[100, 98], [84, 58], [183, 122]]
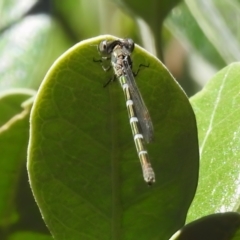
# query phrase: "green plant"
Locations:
[[95, 196]]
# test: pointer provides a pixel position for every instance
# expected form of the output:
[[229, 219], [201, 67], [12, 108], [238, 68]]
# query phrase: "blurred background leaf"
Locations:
[[12, 11], [27, 50], [18, 211]]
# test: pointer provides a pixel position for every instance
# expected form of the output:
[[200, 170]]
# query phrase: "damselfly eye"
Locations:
[[129, 44], [102, 47]]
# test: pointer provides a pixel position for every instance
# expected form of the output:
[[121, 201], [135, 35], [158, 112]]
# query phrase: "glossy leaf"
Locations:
[[83, 166], [27, 50], [217, 110], [214, 17], [185, 28], [12, 10]]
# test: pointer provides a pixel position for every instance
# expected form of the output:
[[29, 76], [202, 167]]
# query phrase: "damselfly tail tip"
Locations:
[[149, 177], [150, 182]]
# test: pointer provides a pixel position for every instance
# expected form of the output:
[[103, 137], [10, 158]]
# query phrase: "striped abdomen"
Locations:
[[148, 172]]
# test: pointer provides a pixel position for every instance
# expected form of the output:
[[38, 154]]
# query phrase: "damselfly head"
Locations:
[[103, 47], [106, 47], [128, 43]]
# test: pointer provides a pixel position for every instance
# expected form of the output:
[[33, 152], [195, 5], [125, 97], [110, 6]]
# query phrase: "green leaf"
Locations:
[[217, 110], [13, 10], [214, 17], [82, 162], [76, 17], [18, 210], [14, 129], [186, 29], [219, 226], [29, 236], [28, 49], [153, 12], [149, 15]]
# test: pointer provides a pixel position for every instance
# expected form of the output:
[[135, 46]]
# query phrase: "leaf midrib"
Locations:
[[115, 160], [216, 104]]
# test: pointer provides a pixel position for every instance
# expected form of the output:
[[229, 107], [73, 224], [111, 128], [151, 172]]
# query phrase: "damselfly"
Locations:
[[142, 128]]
